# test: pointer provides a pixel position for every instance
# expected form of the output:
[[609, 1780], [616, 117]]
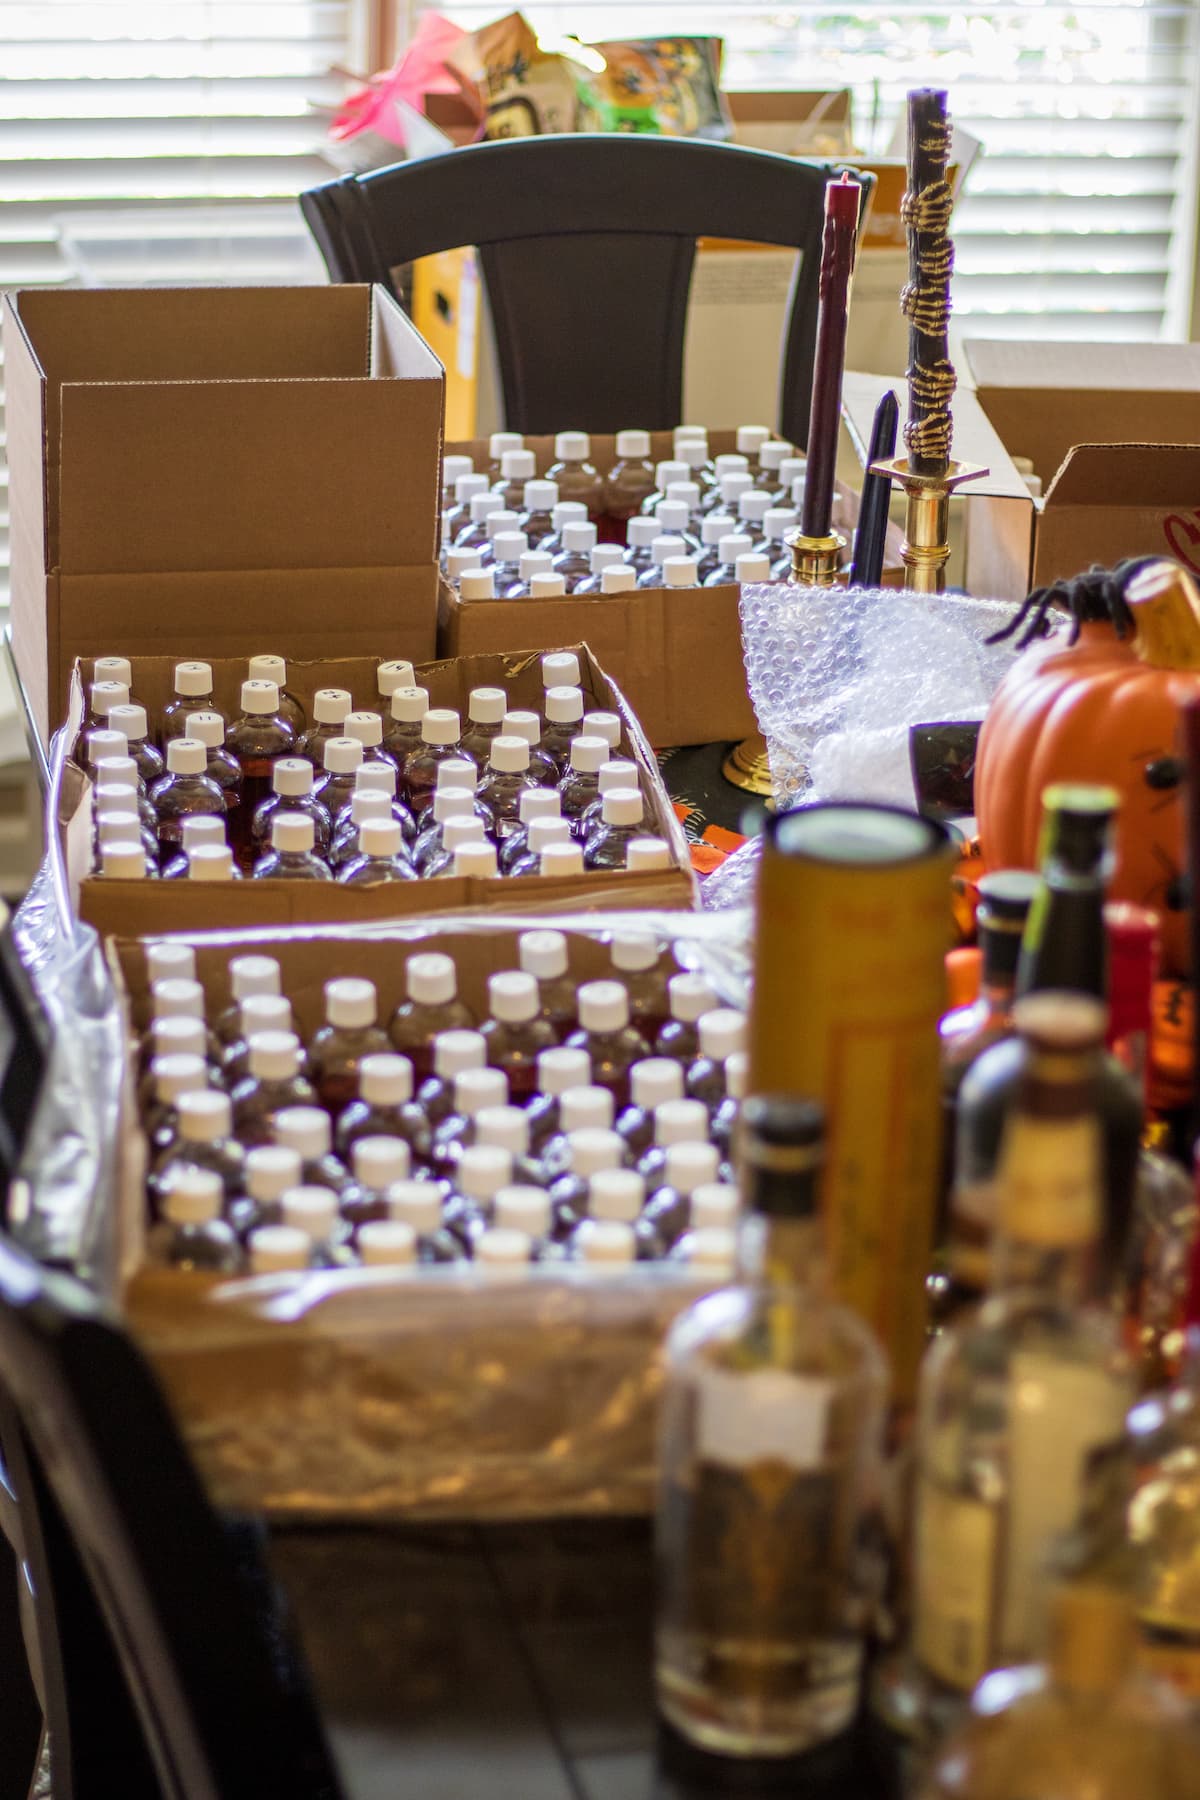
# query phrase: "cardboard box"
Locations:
[[231, 465], [794, 122], [146, 907]]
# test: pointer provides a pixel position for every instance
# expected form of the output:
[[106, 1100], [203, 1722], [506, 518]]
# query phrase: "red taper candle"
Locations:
[[837, 263]]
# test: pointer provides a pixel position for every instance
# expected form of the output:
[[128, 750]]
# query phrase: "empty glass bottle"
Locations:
[[675, 520], [669, 470], [686, 1167], [364, 806]]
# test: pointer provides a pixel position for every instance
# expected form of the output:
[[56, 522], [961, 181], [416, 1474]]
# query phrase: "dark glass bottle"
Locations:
[[689, 997], [431, 1006], [516, 1033], [1063, 945], [653, 1082], [605, 1032], [440, 734], [191, 1233], [256, 739], [349, 1033], [292, 792], [193, 694], [544, 955], [308, 1131], [221, 767], [197, 833], [644, 972], [131, 721], [722, 1031], [271, 1084]]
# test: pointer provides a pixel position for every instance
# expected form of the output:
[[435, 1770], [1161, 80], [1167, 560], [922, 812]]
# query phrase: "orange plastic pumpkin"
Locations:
[[1102, 708]]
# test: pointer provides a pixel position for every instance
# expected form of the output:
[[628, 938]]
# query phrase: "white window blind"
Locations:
[[1078, 219]]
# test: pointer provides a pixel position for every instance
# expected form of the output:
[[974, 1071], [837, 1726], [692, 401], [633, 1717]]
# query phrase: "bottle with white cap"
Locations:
[[418, 1204], [250, 974], [501, 524], [168, 961], [375, 1164], [680, 572], [463, 564], [472, 534], [193, 693], [516, 468], [384, 1106], [602, 557], [130, 721], [525, 1208], [648, 855], [751, 569], [675, 1122], [479, 1173], [575, 472], [573, 561], [308, 1131], [580, 784], [277, 1250], [564, 713], [396, 672], [367, 727], [607, 1034], [583, 1107], [504, 781], [113, 668], [291, 791], [431, 1005], [256, 1013], [463, 830], [562, 513], [174, 1037], [630, 481], [640, 534], [212, 862], [457, 515], [617, 578], [486, 707], [167, 1078], [533, 563], [203, 1140], [585, 1153], [721, 1032], [121, 771], [652, 1082], [643, 970], [453, 468], [382, 855], [498, 443], [544, 955], [103, 745], [515, 1031], [559, 859], [267, 1174], [341, 758], [621, 818], [771, 457], [750, 440], [777, 523], [458, 774], [792, 469], [502, 1254], [672, 468], [291, 856], [693, 451], [617, 1196], [103, 694], [257, 739], [724, 1121], [730, 490], [474, 861], [686, 1167], [664, 549], [533, 804], [708, 1252], [387, 1244], [752, 508], [560, 668], [536, 520], [273, 1081], [440, 742], [682, 512], [127, 861], [605, 1246], [453, 1052], [118, 822], [314, 1211], [724, 570], [267, 667], [191, 1234], [713, 528], [373, 782], [365, 804], [448, 803], [689, 997], [557, 1070], [222, 766], [508, 548], [402, 732], [350, 1031], [542, 766], [330, 706], [606, 725], [728, 463]]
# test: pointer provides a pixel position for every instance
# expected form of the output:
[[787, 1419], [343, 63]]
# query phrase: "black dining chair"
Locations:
[[586, 245]]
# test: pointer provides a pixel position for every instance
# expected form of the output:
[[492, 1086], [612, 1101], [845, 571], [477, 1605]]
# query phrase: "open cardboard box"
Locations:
[[231, 464], [147, 907], [368, 1391]]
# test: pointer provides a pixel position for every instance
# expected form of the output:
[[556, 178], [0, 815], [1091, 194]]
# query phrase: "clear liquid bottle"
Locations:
[[547, 838], [479, 1174], [502, 524], [388, 1244], [585, 1108], [587, 1152], [730, 489], [308, 1131], [176, 997], [721, 1032], [381, 855], [268, 667], [457, 564], [364, 807], [729, 462], [580, 785], [378, 778], [375, 1164], [516, 1033], [648, 855], [169, 1038], [675, 517], [669, 470], [715, 1207], [525, 1210], [101, 744], [575, 473], [102, 697], [508, 548], [542, 766], [475, 861], [603, 556], [778, 522], [431, 1005], [193, 685], [692, 449], [131, 722], [498, 443], [486, 707], [454, 1052], [675, 1122], [457, 516], [256, 1013], [689, 997], [384, 1106], [516, 468], [536, 518], [341, 758], [752, 508], [292, 792], [330, 706], [119, 827], [291, 856], [453, 467], [203, 1140], [277, 1250], [402, 733], [448, 803], [167, 1078], [185, 790], [532, 803], [350, 1031], [272, 1083], [166, 961], [607, 1035], [418, 1204], [630, 481], [506, 778], [621, 818], [462, 831], [558, 1070], [640, 534], [792, 471], [440, 742], [257, 739], [192, 1235], [573, 561], [459, 775], [560, 668], [713, 528], [367, 727], [113, 668], [503, 1255], [562, 514], [750, 569], [535, 565], [314, 1211], [222, 766], [730, 548], [269, 1171], [564, 711], [618, 578], [644, 972], [248, 975], [686, 1167], [750, 440], [545, 956], [121, 771], [473, 534], [653, 1082], [665, 548], [605, 1246]]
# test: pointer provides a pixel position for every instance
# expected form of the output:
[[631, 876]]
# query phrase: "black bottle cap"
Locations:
[[1077, 828], [782, 1147], [1005, 897]]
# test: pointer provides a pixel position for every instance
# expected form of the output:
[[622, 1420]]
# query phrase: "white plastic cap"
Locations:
[[262, 668], [561, 859], [547, 586], [644, 855], [177, 996], [194, 1197], [540, 496], [572, 446], [791, 469], [606, 556], [463, 827], [564, 705], [713, 527], [113, 668], [460, 563], [385, 1079], [312, 1210], [607, 1243], [690, 1165], [564, 511], [378, 1161], [170, 962], [201, 829], [542, 954], [291, 833], [535, 562], [563, 1068], [306, 1129], [415, 1203], [731, 462], [330, 705], [115, 771], [264, 1012], [387, 1244], [603, 1006], [270, 1170], [441, 725], [777, 520], [509, 755], [502, 1128], [752, 568], [278, 1249], [104, 695], [273, 1055], [711, 1251], [737, 1072], [560, 669], [654, 1081], [209, 727], [342, 755], [375, 778], [475, 860], [350, 1002], [734, 545], [487, 705], [589, 754], [501, 441], [665, 548], [260, 697], [633, 951], [617, 578], [544, 834], [672, 469], [772, 453], [518, 465], [684, 495], [465, 486], [689, 996], [752, 504], [641, 531], [482, 506], [177, 1074], [680, 571], [681, 1122], [431, 979], [594, 1148], [113, 797], [456, 1051], [722, 1031], [195, 678], [452, 803], [680, 434], [366, 726], [410, 704], [538, 803], [457, 774], [380, 838], [453, 467], [500, 1251], [513, 996], [579, 537], [131, 720], [622, 806], [483, 1169], [509, 546], [633, 443], [120, 828], [523, 1209], [210, 862], [693, 451], [715, 1204], [604, 725], [184, 1036], [292, 775], [616, 1194], [751, 438], [585, 1108], [204, 1116], [498, 523]]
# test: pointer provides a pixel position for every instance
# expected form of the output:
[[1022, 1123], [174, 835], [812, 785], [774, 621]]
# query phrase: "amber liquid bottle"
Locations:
[[543, 954], [257, 739], [184, 791], [516, 1033], [605, 1032], [273, 1082], [193, 693], [349, 1033], [432, 1005]]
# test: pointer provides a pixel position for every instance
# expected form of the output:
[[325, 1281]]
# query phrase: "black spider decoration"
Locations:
[[1095, 595]]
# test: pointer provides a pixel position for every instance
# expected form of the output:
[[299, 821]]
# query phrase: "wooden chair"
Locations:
[[586, 244]]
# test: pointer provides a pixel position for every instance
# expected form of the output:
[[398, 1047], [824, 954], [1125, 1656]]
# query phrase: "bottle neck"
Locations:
[[1064, 946], [1049, 1212], [782, 1252]]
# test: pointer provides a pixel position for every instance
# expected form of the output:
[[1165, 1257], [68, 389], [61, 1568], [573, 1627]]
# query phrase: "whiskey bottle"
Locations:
[[770, 1451]]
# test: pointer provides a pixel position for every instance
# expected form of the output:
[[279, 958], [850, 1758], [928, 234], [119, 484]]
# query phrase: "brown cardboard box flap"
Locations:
[[1153, 475]]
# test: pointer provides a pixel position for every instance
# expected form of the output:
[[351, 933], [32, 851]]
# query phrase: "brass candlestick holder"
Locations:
[[926, 547]]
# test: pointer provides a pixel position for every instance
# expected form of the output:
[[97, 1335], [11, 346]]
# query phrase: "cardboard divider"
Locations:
[[123, 907]]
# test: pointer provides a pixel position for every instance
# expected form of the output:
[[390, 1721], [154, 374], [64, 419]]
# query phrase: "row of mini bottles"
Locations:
[[512, 793], [614, 1102]]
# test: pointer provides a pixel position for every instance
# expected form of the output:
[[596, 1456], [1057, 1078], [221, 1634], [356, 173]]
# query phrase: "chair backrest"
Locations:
[[586, 244], [127, 1541]]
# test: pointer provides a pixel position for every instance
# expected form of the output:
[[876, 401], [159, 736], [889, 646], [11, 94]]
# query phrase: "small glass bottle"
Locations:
[[256, 1013], [418, 1204], [121, 772], [713, 528], [564, 710], [560, 861], [558, 1070], [367, 727], [271, 1084], [402, 732], [724, 570], [621, 818], [431, 1005], [648, 855], [376, 1163], [349, 1033], [675, 1122], [314, 1211], [575, 473], [560, 668], [456, 494], [715, 1206], [508, 551], [479, 1174], [460, 831], [330, 706], [542, 766], [268, 1172], [730, 490], [538, 500], [474, 861], [122, 828], [257, 739], [457, 564], [291, 856], [341, 759], [675, 520], [384, 1106], [605, 1032], [458, 774], [292, 792], [772, 1413], [653, 1082], [638, 963], [381, 855], [640, 534], [486, 707], [533, 563], [377, 779], [268, 667], [721, 1032], [689, 997], [729, 462], [221, 766], [516, 1033], [671, 469], [131, 722], [472, 533], [580, 784], [388, 1244], [192, 1235], [448, 803], [603, 556], [778, 521], [203, 1139], [532, 803], [687, 1167], [102, 697], [630, 481], [501, 524], [606, 1246], [498, 443], [248, 975], [685, 494], [308, 1131], [544, 955], [365, 805], [665, 548], [526, 1210], [585, 1108], [616, 1196], [573, 561], [503, 1255], [168, 1038], [193, 693], [113, 668], [750, 569], [501, 786], [587, 1151], [516, 468], [277, 1250], [440, 742], [453, 1053], [167, 1078]]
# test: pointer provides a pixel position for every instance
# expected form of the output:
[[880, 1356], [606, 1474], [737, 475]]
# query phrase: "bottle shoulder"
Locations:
[[747, 1328]]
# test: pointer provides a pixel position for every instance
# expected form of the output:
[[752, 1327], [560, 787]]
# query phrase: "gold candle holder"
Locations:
[[926, 547]]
